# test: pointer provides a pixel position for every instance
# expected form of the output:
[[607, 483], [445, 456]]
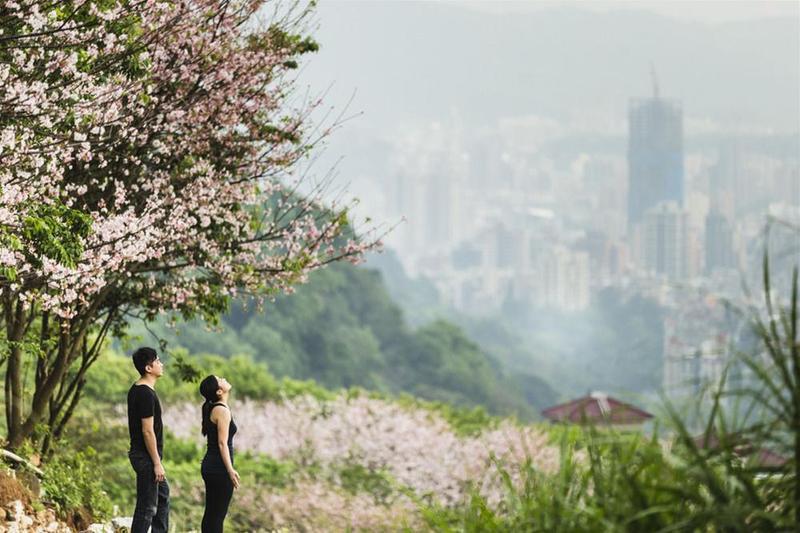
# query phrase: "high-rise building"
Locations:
[[565, 279], [719, 243], [655, 154], [724, 179], [665, 240]]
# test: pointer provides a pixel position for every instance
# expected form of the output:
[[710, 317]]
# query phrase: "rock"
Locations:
[[14, 511], [18, 520], [122, 523], [119, 524], [46, 516]]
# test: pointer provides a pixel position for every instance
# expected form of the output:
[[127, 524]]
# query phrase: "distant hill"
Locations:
[[615, 345], [343, 329]]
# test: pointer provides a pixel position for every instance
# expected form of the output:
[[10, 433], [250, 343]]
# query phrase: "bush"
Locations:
[[464, 420], [72, 484], [354, 478]]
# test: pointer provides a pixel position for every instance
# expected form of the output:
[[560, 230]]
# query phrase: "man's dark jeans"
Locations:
[[152, 498]]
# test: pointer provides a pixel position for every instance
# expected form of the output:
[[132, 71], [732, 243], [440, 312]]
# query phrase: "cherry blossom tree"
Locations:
[[150, 156]]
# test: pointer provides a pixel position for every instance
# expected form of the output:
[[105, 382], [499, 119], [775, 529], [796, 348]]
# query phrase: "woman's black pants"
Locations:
[[219, 490]]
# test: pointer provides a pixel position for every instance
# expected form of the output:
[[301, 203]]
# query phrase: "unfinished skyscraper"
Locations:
[[655, 154], [664, 230]]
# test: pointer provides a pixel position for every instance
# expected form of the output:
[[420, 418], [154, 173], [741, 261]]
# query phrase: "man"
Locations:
[[147, 446]]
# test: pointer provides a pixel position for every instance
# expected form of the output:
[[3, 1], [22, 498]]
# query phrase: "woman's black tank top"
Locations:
[[212, 462]]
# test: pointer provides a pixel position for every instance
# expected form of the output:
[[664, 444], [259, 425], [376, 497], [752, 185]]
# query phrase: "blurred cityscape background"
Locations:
[[598, 178]]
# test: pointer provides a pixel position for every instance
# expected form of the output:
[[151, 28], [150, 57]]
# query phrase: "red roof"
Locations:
[[743, 448], [596, 408]]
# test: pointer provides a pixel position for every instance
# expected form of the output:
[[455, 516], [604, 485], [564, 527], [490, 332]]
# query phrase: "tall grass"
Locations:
[[735, 471]]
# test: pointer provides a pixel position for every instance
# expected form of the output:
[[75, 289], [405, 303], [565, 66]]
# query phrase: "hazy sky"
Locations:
[[734, 65], [571, 67], [709, 11]]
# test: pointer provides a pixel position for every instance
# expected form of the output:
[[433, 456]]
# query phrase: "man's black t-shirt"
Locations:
[[143, 403]]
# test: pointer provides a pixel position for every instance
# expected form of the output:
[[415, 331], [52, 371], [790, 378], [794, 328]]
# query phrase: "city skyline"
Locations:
[[542, 170]]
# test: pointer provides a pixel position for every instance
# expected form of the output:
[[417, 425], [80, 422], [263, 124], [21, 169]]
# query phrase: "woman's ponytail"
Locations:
[[208, 389], [206, 417]]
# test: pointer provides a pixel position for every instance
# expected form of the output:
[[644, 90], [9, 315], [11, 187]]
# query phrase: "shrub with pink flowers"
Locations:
[[416, 447]]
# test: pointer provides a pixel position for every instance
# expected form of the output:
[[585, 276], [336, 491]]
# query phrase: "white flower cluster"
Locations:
[[417, 447]]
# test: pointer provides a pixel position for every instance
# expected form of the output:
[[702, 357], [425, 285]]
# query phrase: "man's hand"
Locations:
[[234, 475], [159, 471]]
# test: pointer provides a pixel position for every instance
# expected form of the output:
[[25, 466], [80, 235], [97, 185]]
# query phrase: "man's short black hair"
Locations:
[[143, 357]]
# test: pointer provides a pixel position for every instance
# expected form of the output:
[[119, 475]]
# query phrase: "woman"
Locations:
[[217, 467]]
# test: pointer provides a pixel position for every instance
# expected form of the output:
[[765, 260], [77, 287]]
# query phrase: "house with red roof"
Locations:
[[742, 447], [599, 409]]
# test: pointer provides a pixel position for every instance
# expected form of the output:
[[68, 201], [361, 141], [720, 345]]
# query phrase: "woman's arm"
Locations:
[[223, 420]]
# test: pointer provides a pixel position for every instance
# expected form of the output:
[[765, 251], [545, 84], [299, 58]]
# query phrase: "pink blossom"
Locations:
[[415, 446]]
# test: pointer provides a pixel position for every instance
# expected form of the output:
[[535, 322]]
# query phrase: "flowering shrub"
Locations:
[[319, 506], [416, 447]]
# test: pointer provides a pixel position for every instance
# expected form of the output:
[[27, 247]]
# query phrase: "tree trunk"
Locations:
[[68, 343], [62, 405], [61, 342], [15, 331]]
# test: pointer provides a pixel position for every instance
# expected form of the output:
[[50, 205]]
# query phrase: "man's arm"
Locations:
[[150, 443]]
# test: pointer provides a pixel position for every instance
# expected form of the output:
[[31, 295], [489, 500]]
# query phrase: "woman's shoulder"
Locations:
[[217, 413]]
